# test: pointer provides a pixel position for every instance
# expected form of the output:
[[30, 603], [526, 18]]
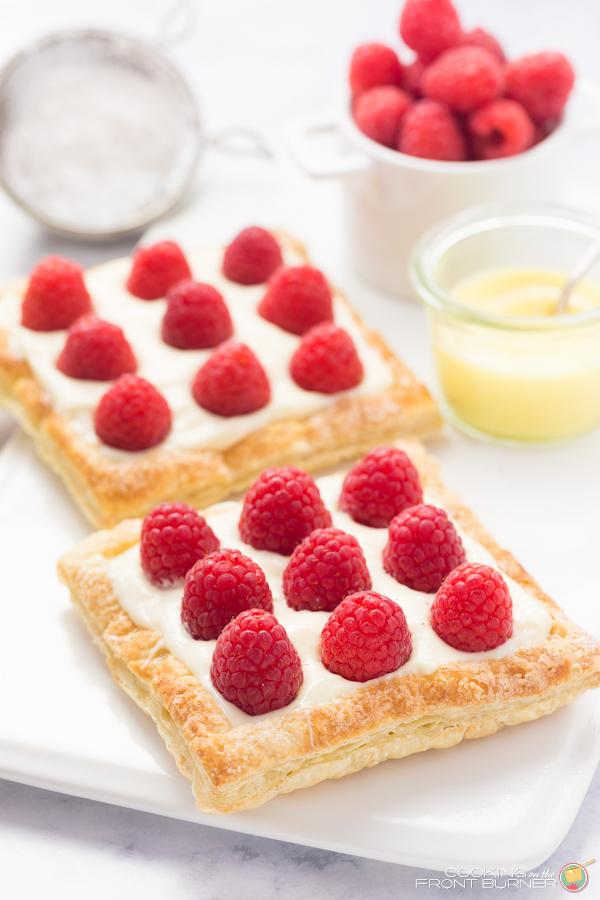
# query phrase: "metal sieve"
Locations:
[[99, 133]]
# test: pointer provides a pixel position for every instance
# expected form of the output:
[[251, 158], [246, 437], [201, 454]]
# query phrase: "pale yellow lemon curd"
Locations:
[[526, 384]]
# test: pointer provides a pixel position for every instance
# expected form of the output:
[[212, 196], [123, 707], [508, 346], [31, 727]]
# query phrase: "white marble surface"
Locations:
[[254, 64]]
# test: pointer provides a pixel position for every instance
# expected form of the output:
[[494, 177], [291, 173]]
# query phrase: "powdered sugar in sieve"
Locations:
[[100, 134]]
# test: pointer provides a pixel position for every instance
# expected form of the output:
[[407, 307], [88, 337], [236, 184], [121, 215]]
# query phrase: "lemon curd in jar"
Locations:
[[520, 375]]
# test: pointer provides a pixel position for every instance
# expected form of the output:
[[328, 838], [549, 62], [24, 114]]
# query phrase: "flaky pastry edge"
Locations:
[[109, 490], [240, 768]]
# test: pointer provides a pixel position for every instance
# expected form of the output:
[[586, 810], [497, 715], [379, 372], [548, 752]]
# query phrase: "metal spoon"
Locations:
[[580, 269]]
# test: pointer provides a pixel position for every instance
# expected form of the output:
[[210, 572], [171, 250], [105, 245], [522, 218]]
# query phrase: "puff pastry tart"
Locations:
[[357, 656], [194, 447]]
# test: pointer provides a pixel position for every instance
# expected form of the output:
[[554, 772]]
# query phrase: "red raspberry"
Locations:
[[429, 27], [132, 415], [218, 588], [423, 548], [411, 77], [429, 130], [366, 637], [502, 128], [327, 566], [380, 486], [281, 508], [297, 298], [56, 295], [372, 65], [252, 256], [463, 78], [174, 537], [155, 269], [196, 317], [255, 665], [326, 361], [231, 382], [480, 38], [542, 83], [472, 610], [96, 350], [378, 113]]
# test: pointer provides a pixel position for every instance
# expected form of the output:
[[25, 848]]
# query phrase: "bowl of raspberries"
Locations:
[[419, 141]]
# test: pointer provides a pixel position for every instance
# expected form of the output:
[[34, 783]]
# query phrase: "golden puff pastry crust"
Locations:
[[109, 490], [234, 768]]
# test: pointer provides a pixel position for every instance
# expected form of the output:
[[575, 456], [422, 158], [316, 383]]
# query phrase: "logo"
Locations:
[[574, 877]]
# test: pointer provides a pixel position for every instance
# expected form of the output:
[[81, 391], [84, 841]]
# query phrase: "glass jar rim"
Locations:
[[437, 241]]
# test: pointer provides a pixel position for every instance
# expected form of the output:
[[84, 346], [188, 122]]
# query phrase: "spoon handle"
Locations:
[[580, 269]]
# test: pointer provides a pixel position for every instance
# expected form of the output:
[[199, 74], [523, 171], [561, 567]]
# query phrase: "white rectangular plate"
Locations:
[[503, 800]]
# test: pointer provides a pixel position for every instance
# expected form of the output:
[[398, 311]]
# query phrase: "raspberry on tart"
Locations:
[[218, 588], [231, 382], [96, 350], [326, 567], [56, 295], [501, 128], [463, 78], [297, 298], [380, 486], [255, 665], [174, 537], [132, 415], [365, 637], [281, 508], [423, 548], [472, 610], [157, 268], [252, 256], [372, 65], [326, 361], [541, 83], [429, 130], [429, 27], [196, 318], [378, 113]]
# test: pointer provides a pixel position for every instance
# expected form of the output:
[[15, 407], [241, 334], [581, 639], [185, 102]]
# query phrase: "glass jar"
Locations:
[[511, 378]]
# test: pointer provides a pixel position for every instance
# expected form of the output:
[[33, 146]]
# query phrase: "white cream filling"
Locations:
[[172, 370], [160, 610]]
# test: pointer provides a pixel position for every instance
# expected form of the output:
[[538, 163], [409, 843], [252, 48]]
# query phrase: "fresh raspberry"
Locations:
[[542, 83], [411, 78], [132, 415], [220, 587], [380, 486], [280, 509], [231, 382], [96, 350], [196, 317], [174, 537], [56, 295], [429, 27], [480, 38], [429, 130], [326, 361], [297, 298], [502, 128], [326, 567], [372, 65], [255, 665], [366, 637], [378, 113], [423, 548], [472, 610], [157, 268], [463, 78], [252, 256]]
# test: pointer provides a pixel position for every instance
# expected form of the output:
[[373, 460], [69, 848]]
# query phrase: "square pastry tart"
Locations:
[[205, 368], [291, 655]]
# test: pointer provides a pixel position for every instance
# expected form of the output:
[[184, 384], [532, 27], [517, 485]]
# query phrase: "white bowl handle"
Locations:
[[300, 135], [589, 89]]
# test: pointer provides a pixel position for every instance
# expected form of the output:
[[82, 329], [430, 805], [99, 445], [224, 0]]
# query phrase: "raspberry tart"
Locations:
[[267, 672]]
